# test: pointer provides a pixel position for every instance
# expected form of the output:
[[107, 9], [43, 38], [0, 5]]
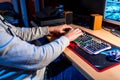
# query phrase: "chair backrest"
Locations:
[[8, 12]]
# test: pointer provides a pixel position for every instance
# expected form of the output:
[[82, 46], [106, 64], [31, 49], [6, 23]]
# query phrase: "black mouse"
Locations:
[[111, 58]]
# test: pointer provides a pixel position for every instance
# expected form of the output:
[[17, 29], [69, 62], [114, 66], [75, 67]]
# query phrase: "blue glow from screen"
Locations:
[[112, 10]]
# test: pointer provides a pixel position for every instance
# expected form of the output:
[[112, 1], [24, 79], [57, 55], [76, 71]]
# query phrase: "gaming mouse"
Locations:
[[113, 58]]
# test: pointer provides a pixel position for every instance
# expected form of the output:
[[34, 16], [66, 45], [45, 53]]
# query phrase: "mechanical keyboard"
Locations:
[[91, 44]]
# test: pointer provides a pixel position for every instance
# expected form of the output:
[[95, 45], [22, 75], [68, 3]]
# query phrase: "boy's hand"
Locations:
[[73, 34], [60, 29]]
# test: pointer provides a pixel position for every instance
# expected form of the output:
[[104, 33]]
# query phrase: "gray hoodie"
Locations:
[[17, 53]]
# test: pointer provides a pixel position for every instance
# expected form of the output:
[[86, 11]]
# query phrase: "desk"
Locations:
[[110, 74]]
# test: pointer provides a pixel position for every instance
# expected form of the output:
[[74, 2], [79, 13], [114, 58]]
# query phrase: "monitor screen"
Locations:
[[112, 12]]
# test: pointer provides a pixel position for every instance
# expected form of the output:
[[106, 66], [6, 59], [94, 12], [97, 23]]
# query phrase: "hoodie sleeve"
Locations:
[[23, 55], [29, 34]]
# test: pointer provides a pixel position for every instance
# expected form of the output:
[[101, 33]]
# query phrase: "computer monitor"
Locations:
[[112, 12], [85, 7]]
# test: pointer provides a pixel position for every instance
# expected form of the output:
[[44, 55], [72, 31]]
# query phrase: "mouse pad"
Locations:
[[99, 61]]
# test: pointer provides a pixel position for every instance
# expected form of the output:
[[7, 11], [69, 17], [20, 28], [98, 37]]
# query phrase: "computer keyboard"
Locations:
[[91, 44]]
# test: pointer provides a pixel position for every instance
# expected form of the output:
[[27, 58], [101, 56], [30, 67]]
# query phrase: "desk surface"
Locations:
[[110, 74]]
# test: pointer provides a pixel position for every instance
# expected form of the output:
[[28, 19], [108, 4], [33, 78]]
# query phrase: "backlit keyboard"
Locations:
[[91, 44]]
